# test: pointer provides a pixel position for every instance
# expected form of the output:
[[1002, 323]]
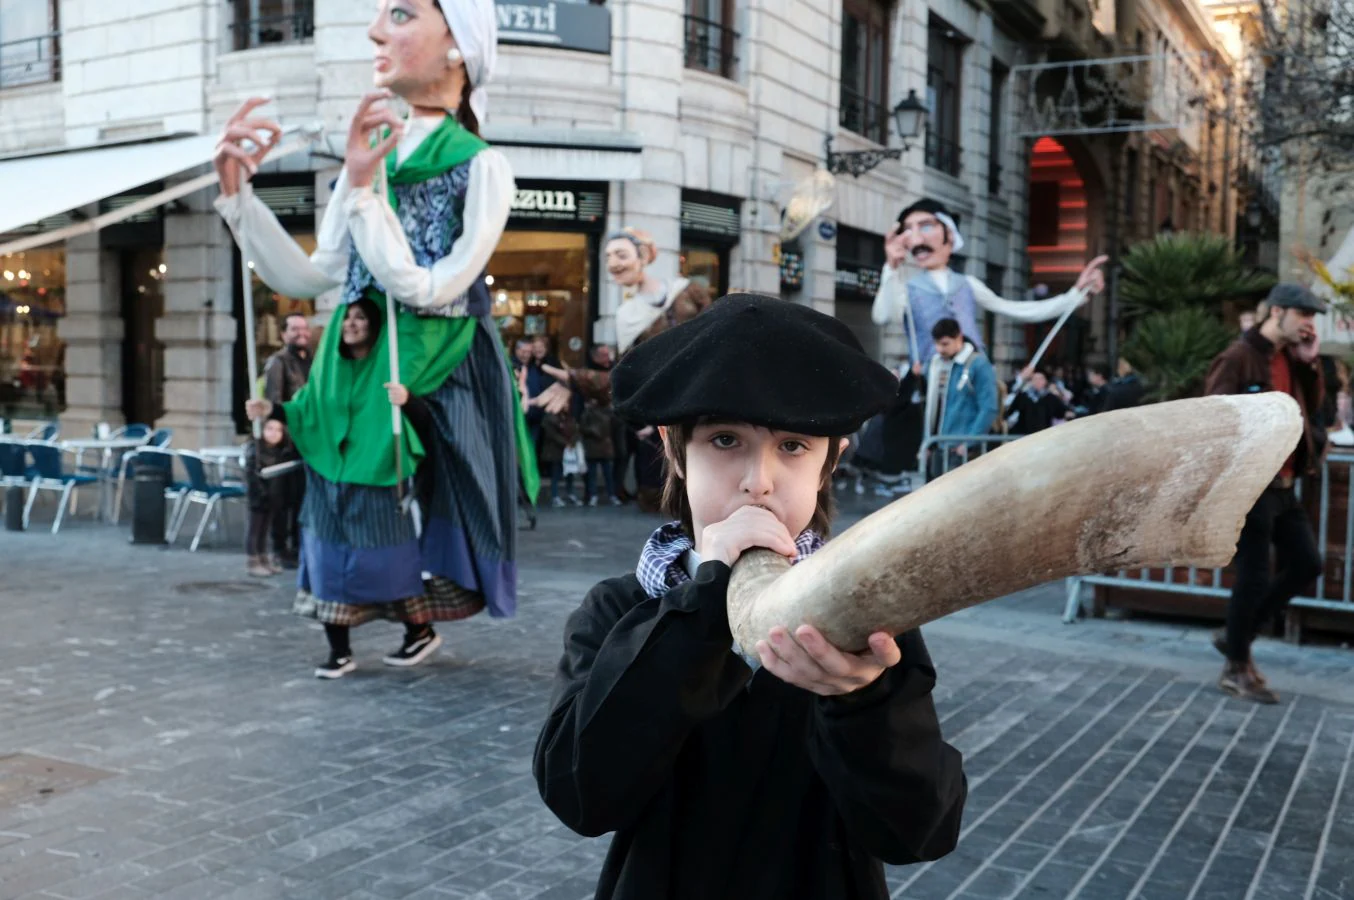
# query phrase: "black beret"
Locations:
[[1287, 295], [756, 359], [927, 206]]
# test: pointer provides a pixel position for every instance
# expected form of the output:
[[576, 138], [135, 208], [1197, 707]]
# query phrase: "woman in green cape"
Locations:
[[423, 244]]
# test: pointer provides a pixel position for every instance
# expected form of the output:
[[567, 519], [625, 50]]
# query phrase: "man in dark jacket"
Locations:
[[285, 373], [1280, 354]]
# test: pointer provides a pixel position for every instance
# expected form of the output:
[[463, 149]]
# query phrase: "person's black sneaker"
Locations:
[[415, 649], [337, 667]]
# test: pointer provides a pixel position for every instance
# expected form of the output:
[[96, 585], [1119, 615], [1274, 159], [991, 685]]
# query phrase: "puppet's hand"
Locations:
[[241, 149], [1092, 280], [360, 157], [894, 251], [807, 660]]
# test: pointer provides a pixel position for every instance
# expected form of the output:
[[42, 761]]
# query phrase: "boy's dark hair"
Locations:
[[678, 507], [946, 328]]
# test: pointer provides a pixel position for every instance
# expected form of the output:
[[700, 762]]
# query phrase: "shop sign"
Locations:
[[711, 217], [566, 203], [555, 23]]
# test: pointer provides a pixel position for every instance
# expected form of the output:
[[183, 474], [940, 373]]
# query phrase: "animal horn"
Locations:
[[1162, 485]]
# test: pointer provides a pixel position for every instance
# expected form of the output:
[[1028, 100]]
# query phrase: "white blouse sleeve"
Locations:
[[381, 242], [278, 259], [891, 299], [1028, 310]]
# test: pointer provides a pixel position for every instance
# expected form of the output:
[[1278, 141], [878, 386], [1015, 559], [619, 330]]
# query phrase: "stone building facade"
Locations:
[[695, 121]]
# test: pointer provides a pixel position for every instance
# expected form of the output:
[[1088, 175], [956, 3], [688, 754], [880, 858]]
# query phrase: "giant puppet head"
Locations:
[[929, 234], [628, 255], [436, 54]]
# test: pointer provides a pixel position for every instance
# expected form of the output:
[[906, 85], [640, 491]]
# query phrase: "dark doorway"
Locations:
[[143, 357]]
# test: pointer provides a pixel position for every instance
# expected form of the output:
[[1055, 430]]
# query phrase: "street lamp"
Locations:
[[909, 121]]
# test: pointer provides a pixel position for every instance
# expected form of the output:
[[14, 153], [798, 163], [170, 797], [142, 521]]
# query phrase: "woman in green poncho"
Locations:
[[424, 244]]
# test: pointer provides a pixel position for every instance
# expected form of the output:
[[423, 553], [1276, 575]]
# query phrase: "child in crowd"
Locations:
[[267, 497], [789, 775]]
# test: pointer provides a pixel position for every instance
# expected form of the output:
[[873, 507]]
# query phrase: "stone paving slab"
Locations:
[[1102, 761]]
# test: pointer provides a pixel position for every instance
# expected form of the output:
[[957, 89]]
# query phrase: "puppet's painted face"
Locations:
[[729, 466], [356, 328], [927, 241], [412, 41], [624, 263]]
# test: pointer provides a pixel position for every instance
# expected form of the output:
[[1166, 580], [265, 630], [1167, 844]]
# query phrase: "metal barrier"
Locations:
[[1195, 577], [934, 464]]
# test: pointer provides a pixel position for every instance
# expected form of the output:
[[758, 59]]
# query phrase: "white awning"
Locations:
[[33, 188], [569, 155]]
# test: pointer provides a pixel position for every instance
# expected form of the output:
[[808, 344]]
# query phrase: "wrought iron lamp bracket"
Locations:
[[857, 162]]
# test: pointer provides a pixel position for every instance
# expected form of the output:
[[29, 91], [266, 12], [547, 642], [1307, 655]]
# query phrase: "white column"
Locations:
[[93, 332], [198, 329]]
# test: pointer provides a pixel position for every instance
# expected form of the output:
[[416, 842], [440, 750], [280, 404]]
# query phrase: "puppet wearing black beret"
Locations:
[[789, 775]]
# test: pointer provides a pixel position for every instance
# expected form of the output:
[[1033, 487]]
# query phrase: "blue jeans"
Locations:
[[608, 468], [556, 476]]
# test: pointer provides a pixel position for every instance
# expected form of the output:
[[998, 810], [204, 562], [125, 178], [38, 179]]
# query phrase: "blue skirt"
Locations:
[[360, 547]]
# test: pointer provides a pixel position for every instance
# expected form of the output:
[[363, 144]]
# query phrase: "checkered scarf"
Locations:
[[660, 566]]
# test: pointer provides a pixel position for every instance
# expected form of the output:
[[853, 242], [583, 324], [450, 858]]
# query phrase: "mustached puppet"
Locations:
[[926, 237]]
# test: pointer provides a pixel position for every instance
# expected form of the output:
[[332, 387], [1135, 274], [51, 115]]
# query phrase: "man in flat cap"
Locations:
[[926, 236], [789, 774], [1279, 354]]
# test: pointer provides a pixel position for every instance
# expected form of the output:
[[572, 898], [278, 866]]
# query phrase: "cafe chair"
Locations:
[[48, 473], [202, 490]]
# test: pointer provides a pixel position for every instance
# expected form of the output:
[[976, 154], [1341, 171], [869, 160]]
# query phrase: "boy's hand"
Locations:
[[748, 527], [808, 661]]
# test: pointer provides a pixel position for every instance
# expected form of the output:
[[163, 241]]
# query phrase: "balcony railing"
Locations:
[[864, 116], [942, 154], [290, 28], [711, 47], [34, 60]]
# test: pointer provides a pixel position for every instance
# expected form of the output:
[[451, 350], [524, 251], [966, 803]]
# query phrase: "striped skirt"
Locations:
[[362, 556]]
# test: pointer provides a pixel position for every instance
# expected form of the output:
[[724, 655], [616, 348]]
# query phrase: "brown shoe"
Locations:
[[1220, 645], [258, 567], [1220, 641], [1237, 681], [273, 563]]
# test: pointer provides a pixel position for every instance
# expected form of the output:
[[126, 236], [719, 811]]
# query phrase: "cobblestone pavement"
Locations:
[[1102, 761]]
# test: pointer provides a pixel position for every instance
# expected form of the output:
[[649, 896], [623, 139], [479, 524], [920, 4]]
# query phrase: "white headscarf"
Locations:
[[474, 25], [956, 239]]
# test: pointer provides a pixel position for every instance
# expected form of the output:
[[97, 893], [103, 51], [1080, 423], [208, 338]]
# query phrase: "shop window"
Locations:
[[541, 284], [865, 69], [32, 353], [711, 228], [143, 274], [262, 23], [860, 259], [708, 266], [30, 42], [944, 77]]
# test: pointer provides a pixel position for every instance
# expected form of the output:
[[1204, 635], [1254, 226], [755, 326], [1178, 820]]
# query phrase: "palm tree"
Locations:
[[1174, 349], [1176, 271]]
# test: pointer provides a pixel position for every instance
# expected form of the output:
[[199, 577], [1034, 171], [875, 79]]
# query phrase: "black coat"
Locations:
[[1036, 413], [721, 783]]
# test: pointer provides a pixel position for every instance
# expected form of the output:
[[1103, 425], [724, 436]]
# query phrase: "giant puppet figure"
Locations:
[[926, 237], [415, 216]]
